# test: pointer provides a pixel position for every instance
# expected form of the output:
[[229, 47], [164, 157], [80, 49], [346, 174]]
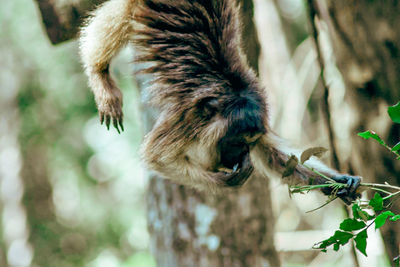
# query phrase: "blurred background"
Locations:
[[74, 194]]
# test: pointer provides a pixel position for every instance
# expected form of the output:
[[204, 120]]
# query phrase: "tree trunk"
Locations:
[[193, 229], [189, 228], [62, 19], [367, 44]]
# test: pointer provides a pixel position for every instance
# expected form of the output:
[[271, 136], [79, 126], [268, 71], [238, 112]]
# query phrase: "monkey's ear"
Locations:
[[208, 106]]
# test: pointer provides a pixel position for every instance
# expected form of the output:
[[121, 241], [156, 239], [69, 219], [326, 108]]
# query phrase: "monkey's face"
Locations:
[[211, 136], [243, 117]]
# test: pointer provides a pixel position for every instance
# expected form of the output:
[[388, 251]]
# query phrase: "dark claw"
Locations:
[[121, 125], [115, 123], [113, 118], [108, 121], [101, 118]]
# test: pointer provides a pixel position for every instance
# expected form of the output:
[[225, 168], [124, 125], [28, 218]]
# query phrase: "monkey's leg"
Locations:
[[105, 33]]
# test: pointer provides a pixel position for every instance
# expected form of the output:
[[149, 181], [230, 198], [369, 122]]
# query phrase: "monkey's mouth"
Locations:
[[233, 154], [235, 164]]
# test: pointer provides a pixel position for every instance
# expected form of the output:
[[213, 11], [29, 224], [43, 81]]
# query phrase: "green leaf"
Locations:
[[314, 151], [342, 237], [394, 112], [358, 213], [381, 218], [395, 218], [396, 147], [336, 247], [352, 225], [326, 243], [371, 134], [361, 241], [355, 208], [377, 202], [339, 237]]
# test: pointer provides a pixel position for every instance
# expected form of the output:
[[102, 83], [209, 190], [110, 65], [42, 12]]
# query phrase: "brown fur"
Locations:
[[213, 127], [195, 51]]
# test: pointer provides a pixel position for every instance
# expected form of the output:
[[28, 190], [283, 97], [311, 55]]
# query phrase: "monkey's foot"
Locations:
[[109, 105], [349, 193]]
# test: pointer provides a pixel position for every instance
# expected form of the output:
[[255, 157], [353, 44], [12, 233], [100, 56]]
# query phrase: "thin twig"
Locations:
[[380, 185], [313, 12], [320, 174], [392, 201], [307, 188], [392, 195], [372, 186], [380, 190], [329, 201], [390, 149]]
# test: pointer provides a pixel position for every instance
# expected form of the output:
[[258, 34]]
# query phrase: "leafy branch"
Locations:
[[365, 212]]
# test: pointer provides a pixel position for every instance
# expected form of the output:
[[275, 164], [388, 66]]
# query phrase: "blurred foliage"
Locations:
[[93, 211], [84, 187]]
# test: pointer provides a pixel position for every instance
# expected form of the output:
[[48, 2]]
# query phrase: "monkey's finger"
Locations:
[[355, 183], [349, 182], [240, 176], [347, 196], [341, 179], [115, 123], [352, 183], [342, 192]]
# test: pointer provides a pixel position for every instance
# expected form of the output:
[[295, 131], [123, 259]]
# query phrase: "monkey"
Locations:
[[213, 130]]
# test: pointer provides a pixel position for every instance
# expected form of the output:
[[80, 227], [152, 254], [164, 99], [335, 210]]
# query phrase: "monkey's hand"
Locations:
[[237, 176], [348, 193], [109, 104]]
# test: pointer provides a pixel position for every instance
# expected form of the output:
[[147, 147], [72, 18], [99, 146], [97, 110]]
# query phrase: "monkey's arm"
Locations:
[[185, 172], [272, 154], [106, 31]]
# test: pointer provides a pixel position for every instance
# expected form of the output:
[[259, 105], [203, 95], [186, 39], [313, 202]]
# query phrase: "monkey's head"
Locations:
[[209, 134]]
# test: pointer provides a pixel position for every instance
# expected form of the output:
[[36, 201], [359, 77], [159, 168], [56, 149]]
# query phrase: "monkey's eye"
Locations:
[[208, 106]]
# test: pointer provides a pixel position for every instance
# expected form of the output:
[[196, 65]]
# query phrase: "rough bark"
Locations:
[[193, 229], [62, 19], [367, 45], [189, 228]]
